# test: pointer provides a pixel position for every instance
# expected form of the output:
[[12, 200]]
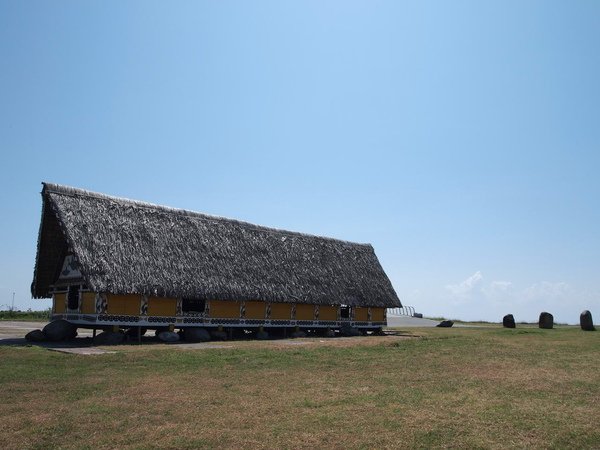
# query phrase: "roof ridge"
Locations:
[[73, 191]]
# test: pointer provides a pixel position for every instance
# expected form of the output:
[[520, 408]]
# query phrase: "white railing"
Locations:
[[403, 311]]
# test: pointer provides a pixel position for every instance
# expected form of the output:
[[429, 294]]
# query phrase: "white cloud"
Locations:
[[499, 291], [500, 286], [475, 298], [545, 290], [465, 288]]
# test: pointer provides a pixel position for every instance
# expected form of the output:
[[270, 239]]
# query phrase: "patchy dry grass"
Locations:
[[485, 388]]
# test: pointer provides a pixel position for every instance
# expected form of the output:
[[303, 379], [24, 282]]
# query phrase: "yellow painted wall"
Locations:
[[328, 312], [255, 310], [159, 306], [281, 311], [225, 309], [377, 314], [361, 314], [124, 304], [88, 303], [59, 303], [305, 312]]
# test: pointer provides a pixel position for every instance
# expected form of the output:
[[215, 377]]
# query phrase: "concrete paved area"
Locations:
[[407, 321], [81, 350]]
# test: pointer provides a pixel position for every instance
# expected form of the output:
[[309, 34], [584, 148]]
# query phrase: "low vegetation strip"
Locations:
[[470, 387], [13, 315]]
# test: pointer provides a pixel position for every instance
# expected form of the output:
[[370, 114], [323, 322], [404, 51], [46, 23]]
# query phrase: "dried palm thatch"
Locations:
[[125, 246]]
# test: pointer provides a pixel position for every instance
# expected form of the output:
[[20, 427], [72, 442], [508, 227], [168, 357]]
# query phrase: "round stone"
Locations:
[[262, 335], [546, 320], [508, 321], [168, 336], [109, 338], [586, 321], [196, 335], [35, 336], [60, 330]]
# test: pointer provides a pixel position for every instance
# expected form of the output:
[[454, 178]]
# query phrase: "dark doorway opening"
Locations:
[[73, 297], [345, 311]]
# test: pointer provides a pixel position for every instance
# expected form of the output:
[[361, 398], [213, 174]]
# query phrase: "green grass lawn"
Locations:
[[472, 387]]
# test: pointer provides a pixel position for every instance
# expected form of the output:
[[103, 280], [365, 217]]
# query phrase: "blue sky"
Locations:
[[460, 138]]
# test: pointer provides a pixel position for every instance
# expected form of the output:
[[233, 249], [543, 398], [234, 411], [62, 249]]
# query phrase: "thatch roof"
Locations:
[[125, 246]]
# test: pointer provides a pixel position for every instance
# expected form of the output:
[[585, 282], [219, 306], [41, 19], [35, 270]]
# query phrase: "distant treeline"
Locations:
[[25, 315]]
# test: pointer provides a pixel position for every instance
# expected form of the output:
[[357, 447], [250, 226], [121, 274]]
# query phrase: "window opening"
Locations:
[[193, 305]]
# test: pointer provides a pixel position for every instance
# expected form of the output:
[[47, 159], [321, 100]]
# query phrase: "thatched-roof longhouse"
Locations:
[[116, 250]]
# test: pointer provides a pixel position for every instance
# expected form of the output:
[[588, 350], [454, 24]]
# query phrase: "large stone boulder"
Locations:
[[379, 332], [134, 332], [218, 335], [546, 320], [327, 332], [586, 321], [60, 330], [109, 338], [445, 324], [35, 336], [168, 336], [348, 331], [508, 321], [262, 335], [196, 335], [298, 334]]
